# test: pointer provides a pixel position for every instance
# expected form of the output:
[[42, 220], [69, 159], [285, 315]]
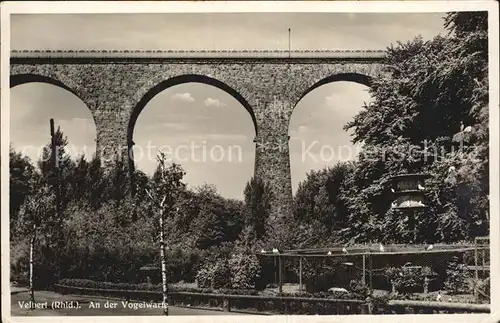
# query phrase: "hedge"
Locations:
[[323, 295], [87, 283]]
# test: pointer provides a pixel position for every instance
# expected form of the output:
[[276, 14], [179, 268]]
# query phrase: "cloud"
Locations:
[[186, 97], [330, 100], [209, 102]]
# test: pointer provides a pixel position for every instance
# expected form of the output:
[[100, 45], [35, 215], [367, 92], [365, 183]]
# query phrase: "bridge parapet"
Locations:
[[326, 54]]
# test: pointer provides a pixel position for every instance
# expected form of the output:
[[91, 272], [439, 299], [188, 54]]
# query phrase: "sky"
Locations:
[[201, 114]]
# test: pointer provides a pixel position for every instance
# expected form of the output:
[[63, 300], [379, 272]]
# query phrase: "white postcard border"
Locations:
[[131, 7]]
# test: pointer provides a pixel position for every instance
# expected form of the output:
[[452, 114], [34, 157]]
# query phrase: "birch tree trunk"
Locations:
[[163, 263], [32, 287]]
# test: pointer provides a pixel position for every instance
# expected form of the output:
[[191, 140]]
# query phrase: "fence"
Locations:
[[281, 305], [235, 303], [272, 304], [426, 307]]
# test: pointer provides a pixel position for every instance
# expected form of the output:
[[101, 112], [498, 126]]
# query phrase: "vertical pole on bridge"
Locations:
[[289, 42]]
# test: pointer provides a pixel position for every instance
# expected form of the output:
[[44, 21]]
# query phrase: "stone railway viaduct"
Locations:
[[117, 85]]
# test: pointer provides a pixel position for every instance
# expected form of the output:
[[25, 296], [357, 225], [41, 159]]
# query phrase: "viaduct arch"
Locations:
[[116, 85]]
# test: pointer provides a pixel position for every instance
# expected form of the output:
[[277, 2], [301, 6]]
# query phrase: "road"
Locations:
[[88, 307]]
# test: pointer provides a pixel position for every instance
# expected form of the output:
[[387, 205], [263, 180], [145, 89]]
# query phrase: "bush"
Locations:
[[87, 283], [221, 275], [182, 265], [204, 277], [457, 277], [245, 270], [214, 276], [405, 279], [359, 288], [335, 295]]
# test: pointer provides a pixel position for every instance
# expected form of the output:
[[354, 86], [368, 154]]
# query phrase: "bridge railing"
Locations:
[[281, 305], [297, 54]]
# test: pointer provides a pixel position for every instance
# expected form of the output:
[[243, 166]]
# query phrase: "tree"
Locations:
[[79, 180], [245, 267], [57, 171], [96, 183], [429, 112], [38, 212], [320, 201], [166, 184], [215, 219], [22, 175], [117, 182], [257, 201]]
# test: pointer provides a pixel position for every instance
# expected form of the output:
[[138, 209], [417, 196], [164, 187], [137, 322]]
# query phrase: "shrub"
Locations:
[[204, 277], [182, 264], [214, 276], [457, 277], [221, 275], [360, 289], [405, 279], [336, 295], [87, 283], [245, 269]]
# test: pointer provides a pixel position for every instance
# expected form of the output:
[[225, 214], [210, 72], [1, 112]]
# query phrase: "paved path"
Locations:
[[87, 306]]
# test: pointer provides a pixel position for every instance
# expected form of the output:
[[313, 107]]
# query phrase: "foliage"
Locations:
[[215, 275], [405, 279], [118, 184], [258, 196], [204, 277], [182, 264], [457, 277], [218, 220], [22, 178], [37, 217], [88, 283], [432, 89], [166, 184], [335, 295], [430, 95], [320, 206], [244, 265], [319, 274], [245, 270]]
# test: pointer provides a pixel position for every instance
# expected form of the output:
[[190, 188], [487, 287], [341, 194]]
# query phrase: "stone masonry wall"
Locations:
[[115, 94]]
